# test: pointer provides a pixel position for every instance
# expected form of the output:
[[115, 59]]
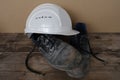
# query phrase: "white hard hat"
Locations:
[[49, 19]]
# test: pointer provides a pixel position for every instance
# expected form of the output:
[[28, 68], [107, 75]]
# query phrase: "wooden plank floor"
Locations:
[[15, 47]]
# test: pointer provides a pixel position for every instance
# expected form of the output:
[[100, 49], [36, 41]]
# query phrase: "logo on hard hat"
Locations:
[[43, 17]]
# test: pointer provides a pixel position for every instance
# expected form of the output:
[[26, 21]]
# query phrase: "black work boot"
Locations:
[[58, 53]]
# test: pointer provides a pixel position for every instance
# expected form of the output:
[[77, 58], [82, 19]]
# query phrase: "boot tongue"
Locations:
[[81, 27]]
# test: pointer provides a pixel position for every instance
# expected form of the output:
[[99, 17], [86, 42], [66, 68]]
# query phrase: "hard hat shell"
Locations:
[[49, 19]]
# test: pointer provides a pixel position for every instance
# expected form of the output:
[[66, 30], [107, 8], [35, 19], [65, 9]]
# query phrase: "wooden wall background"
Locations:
[[15, 47]]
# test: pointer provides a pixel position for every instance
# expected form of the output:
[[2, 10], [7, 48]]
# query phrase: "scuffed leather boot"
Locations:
[[59, 54]]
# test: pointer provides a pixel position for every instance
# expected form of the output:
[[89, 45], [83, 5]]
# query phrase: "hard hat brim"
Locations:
[[72, 32], [67, 33]]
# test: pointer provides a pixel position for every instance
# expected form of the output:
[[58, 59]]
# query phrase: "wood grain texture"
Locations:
[[15, 47]]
